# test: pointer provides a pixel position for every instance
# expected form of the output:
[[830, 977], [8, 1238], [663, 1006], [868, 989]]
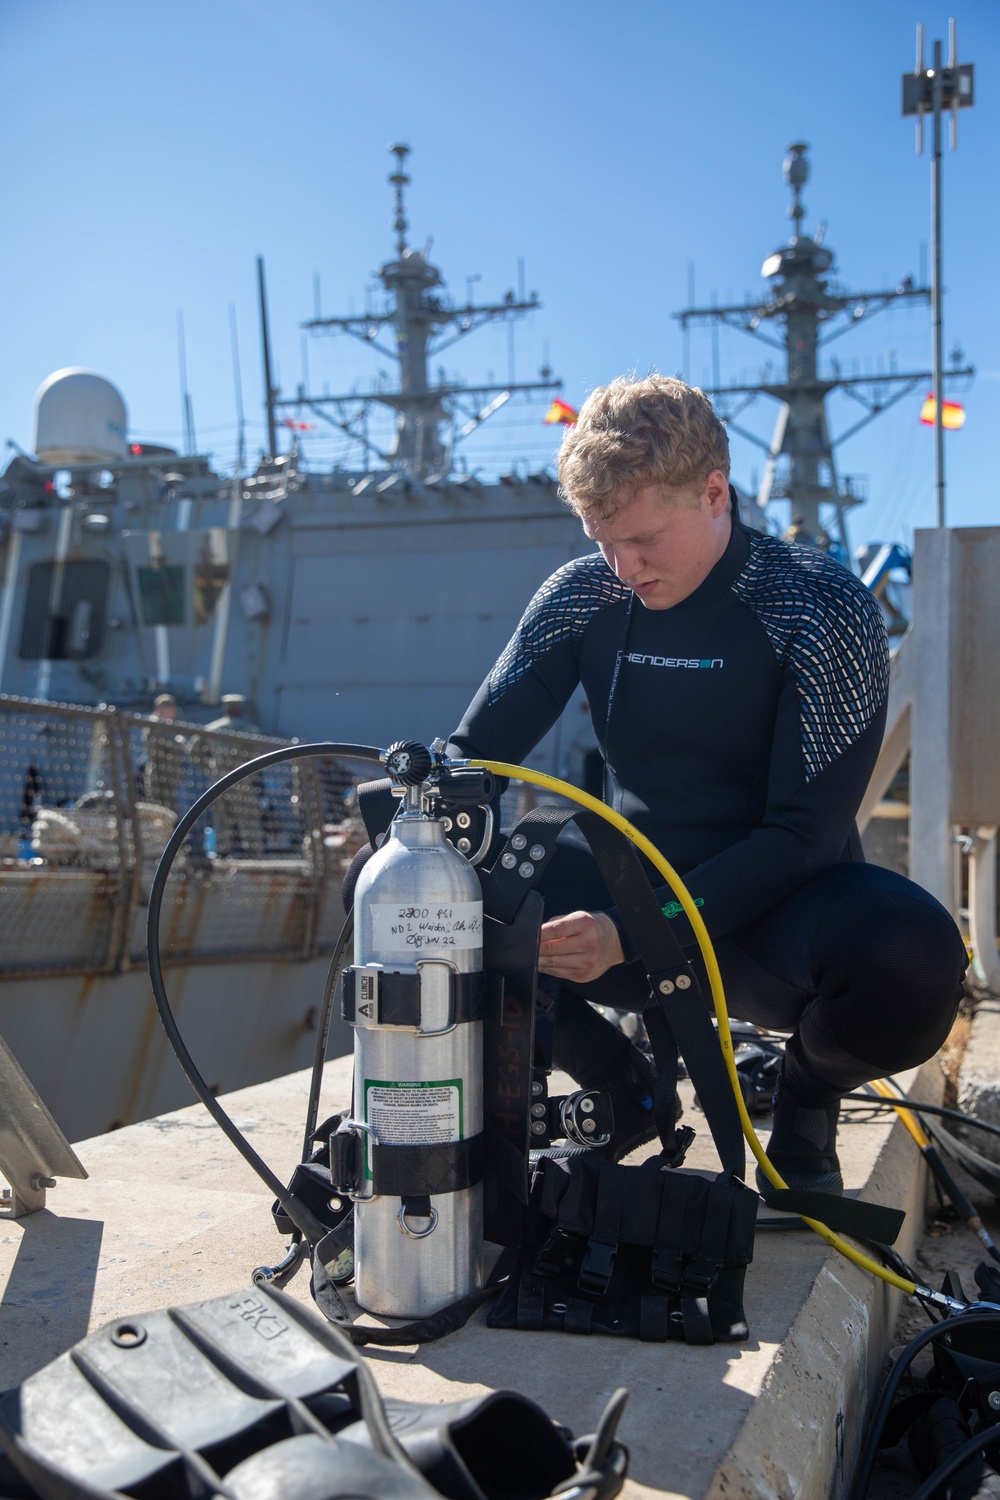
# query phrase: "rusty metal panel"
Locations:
[[975, 675], [55, 920], [88, 800]]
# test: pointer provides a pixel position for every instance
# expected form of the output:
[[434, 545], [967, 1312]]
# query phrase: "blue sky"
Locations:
[[150, 153]]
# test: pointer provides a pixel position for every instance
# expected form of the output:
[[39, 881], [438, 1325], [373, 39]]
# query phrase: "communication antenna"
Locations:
[[234, 344], [932, 91], [270, 393], [187, 410]]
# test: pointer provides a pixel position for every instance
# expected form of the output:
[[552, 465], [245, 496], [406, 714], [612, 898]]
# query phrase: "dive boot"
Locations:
[[803, 1144]]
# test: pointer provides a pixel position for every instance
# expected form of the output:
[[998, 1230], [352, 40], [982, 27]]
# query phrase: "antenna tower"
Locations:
[[425, 322], [804, 312]]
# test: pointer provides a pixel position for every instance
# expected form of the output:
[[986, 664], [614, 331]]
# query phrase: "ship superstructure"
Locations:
[[358, 603], [802, 313]]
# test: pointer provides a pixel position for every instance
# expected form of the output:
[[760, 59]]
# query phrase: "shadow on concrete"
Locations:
[[50, 1287]]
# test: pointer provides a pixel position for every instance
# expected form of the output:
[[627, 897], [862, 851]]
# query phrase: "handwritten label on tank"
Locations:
[[413, 1113], [400, 931]]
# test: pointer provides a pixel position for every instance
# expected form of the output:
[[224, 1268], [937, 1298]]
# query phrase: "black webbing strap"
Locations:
[[377, 806], [523, 859], [420, 1171], [531, 1303], [602, 1247], [866, 1221], [668, 1247], [654, 1319], [388, 998], [701, 1271], [509, 951], [579, 1316], [673, 984], [419, 1330], [697, 1323]]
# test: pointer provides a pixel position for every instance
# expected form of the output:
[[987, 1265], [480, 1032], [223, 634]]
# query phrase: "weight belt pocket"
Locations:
[[648, 1252]]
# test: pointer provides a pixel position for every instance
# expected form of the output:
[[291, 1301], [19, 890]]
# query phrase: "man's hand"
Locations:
[[581, 946]]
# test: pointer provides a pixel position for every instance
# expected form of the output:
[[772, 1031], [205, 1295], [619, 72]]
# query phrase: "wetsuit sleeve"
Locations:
[[508, 716], [827, 734], [533, 679]]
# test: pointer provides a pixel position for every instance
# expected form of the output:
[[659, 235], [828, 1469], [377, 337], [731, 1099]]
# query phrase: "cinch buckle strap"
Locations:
[[385, 997], [702, 1270], [602, 1247], [419, 1171]]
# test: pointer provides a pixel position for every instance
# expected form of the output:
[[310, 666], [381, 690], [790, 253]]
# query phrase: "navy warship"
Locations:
[[360, 603]]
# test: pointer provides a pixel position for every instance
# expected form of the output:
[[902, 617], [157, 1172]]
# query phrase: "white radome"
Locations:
[[80, 418]]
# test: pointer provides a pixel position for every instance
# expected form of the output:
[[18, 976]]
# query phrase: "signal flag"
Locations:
[[561, 411], [952, 413]]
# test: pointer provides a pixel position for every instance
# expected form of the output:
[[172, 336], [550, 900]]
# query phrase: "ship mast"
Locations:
[[424, 322], [807, 311]]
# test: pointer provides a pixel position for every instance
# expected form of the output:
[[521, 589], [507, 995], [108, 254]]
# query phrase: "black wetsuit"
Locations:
[[739, 729]]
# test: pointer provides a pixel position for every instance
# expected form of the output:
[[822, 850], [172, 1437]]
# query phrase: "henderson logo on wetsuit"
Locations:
[[638, 660]]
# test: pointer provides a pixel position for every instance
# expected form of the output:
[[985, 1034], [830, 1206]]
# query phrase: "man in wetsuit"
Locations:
[[737, 687]]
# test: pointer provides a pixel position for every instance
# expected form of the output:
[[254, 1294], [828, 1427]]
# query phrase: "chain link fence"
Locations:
[[89, 798]]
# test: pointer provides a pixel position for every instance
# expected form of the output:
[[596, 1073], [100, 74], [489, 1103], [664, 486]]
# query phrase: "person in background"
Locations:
[[238, 814], [166, 753]]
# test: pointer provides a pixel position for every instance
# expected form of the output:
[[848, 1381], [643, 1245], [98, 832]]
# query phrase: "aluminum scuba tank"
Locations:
[[417, 912]]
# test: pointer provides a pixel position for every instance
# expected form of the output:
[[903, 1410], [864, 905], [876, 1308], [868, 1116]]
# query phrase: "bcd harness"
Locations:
[[649, 1251]]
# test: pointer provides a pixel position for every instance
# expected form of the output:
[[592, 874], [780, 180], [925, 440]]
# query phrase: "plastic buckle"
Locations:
[[597, 1268], [683, 1140], [699, 1277], [344, 1164], [556, 1255]]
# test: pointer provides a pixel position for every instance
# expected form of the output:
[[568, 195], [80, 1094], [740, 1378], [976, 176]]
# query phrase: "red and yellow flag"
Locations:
[[561, 411], [952, 413]]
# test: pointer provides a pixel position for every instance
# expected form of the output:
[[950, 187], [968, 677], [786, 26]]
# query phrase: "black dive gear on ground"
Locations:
[[639, 1252], [252, 1397], [949, 1410]]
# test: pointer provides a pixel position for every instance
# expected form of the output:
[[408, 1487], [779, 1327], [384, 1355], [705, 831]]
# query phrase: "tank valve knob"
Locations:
[[408, 762]]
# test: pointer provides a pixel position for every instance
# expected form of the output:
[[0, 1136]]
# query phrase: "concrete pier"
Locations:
[[170, 1214]]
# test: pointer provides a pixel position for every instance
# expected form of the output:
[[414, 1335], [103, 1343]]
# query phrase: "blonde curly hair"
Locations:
[[633, 433]]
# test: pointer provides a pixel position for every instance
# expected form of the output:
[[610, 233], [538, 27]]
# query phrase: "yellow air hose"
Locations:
[[553, 784]]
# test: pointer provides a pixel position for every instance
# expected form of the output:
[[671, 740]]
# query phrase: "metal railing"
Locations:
[[88, 799]]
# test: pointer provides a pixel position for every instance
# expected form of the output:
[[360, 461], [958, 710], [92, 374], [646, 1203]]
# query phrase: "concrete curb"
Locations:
[[802, 1436]]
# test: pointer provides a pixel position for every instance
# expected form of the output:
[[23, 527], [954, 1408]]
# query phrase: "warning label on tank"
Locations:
[[413, 1113], [404, 930]]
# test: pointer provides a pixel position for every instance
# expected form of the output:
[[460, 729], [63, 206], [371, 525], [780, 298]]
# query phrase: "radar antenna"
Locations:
[[426, 322], [809, 311]]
